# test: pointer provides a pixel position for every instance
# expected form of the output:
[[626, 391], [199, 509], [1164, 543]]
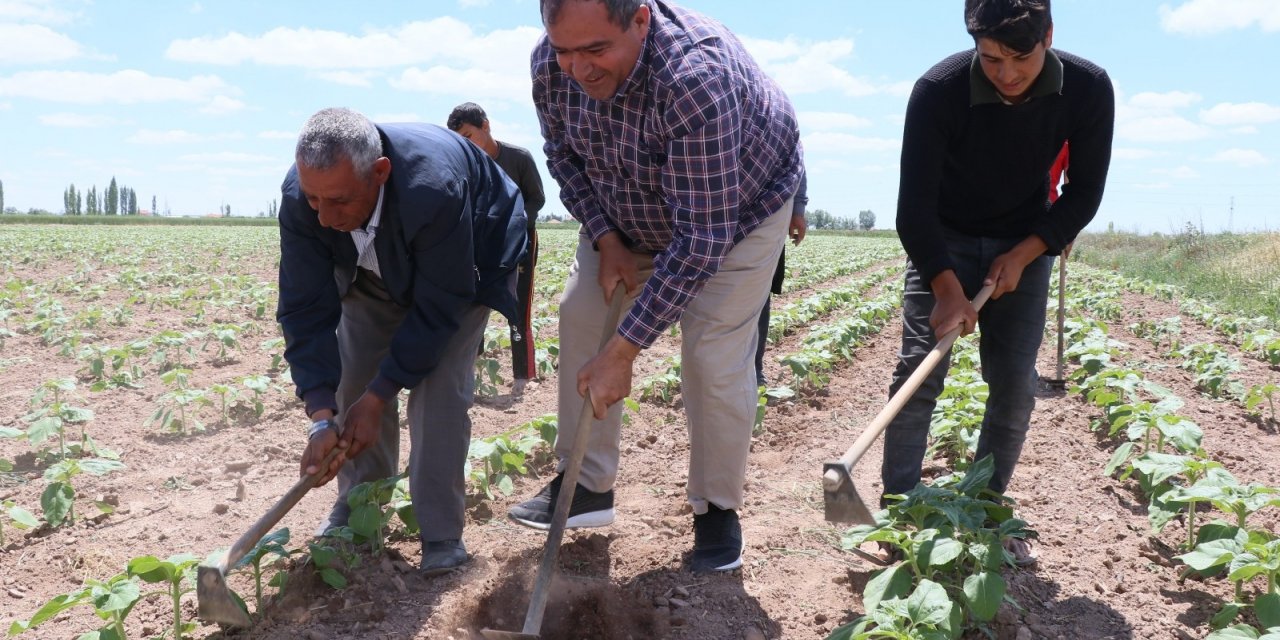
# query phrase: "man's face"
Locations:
[[480, 136], [343, 198], [596, 53], [1011, 72]]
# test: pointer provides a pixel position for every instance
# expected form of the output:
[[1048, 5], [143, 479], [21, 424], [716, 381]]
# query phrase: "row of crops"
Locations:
[[175, 327]]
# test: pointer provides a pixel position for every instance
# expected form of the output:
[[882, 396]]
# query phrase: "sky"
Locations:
[[198, 104]]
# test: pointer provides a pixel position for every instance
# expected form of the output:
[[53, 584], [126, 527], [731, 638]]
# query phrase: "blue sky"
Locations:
[[198, 103]]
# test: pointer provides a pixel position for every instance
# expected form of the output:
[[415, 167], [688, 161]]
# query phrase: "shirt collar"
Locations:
[[981, 91], [372, 225]]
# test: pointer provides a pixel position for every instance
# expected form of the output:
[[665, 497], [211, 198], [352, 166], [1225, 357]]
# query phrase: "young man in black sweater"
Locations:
[[982, 129]]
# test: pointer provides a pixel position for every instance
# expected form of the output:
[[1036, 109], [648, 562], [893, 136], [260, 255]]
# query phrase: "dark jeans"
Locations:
[[1010, 330], [522, 362]]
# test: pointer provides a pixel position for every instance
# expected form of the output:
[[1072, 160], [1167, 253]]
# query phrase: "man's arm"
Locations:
[[924, 144], [531, 186], [309, 309], [1090, 160], [566, 166]]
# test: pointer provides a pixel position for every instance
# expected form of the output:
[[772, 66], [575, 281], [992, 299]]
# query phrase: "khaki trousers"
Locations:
[[718, 382]]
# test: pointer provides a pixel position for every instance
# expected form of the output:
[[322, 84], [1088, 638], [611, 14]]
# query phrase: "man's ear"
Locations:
[[381, 170]]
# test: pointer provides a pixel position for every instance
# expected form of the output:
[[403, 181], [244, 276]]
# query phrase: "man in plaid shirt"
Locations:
[[681, 158]]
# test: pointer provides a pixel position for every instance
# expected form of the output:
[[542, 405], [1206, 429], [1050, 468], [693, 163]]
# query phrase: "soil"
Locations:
[[1100, 573]]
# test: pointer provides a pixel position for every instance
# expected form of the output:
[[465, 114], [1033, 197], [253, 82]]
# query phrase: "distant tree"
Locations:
[[133, 202], [79, 203], [91, 202], [154, 211], [866, 220], [274, 210], [1, 196], [69, 201], [226, 211], [112, 205], [819, 219]]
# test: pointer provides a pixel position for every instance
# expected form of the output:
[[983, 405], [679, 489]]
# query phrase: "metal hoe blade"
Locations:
[[494, 634], [215, 602]]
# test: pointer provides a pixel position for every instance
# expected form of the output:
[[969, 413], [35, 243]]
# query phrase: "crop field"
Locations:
[[147, 419]]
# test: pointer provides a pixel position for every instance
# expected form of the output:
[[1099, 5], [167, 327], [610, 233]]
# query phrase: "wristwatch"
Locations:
[[320, 425]]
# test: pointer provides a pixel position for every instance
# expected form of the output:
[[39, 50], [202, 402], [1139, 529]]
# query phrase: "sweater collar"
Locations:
[[981, 91]]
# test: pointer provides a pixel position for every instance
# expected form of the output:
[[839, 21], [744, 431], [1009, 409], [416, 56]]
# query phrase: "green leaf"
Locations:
[[940, 551], [984, 591], [1212, 554], [52, 608], [23, 518], [1237, 632], [56, 501], [117, 596], [1268, 609], [929, 604], [1225, 616], [151, 569], [893, 582], [1118, 458], [8, 432], [333, 578], [43, 429], [364, 520]]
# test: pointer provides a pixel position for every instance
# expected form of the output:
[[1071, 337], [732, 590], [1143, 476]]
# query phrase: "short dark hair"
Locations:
[[620, 11], [1017, 24], [466, 113]]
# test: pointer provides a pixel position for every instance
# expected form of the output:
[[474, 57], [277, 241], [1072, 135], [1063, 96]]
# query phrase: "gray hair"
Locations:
[[336, 133], [620, 11]]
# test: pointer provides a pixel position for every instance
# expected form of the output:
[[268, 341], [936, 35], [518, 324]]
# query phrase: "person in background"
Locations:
[[470, 121], [982, 129], [796, 231], [680, 158], [395, 242]]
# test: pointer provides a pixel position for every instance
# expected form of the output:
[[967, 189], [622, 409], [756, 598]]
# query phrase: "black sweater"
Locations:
[[983, 169]]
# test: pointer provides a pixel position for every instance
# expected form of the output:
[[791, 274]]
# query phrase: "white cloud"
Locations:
[[76, 120], [1153, 117], [473, 84], [827, 120], [419, 42], [1167, 100], [1242, 114], [1207, 17], [468, 4], [122, 87], [196, 7], [229, 157], [836, 142], [176, 136], [1240, 157], [403, 116], [811, 67], [221, 106], [1178, 173], [39, 11], [35, 44], [5, 106], [348, 78], [1131, 153], [278, 135]]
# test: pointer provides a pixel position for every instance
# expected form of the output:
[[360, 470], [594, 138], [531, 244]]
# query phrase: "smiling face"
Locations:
[[595, 52], [1010, 71], [343, 198]]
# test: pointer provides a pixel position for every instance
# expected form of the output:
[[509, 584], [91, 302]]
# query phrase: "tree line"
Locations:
[[115, 200], [822, 219]]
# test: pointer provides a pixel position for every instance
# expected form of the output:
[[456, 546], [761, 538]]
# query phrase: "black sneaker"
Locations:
[[717, 540], [589, 509]]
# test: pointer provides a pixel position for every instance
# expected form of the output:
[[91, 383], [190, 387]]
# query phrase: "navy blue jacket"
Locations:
[[452, 231]]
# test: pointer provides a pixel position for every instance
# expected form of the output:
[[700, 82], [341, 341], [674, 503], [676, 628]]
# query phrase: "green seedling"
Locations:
[[493, 462], [21, 518], [50, 415], [271, 544], [259, 386], [331, 556], [111, 600], [925, 612], [1257, 395], [664, 385], [58, 498], [1245, 632], [179, 406], [488, 376], [177, 575], [373, 506]]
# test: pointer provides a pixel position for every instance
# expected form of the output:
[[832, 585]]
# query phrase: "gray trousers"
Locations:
[[439, 427], [718, 377], [1010, 330]]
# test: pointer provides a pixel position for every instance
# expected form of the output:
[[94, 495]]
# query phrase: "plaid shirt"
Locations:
[[695, 150]]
